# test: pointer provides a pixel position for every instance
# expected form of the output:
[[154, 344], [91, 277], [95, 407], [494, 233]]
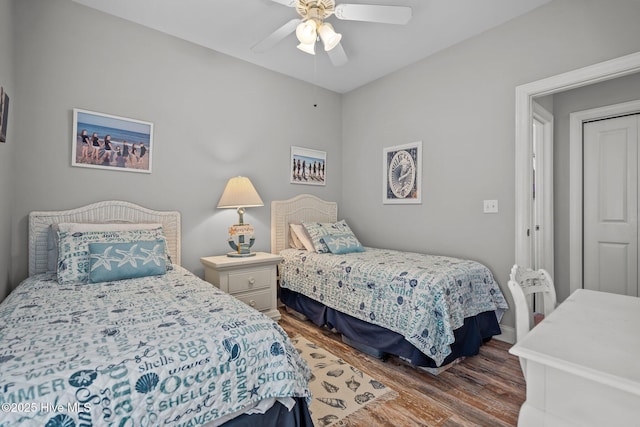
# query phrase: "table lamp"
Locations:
[[240, 193]]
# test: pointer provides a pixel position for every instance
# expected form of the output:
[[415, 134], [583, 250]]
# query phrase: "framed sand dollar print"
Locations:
[[402, 174]]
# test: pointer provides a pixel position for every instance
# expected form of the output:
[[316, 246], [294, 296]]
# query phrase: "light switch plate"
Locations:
[[490, 206]]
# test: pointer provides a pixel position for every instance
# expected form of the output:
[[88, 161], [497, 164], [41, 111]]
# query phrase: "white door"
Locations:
[[610, 223], [542, 226]]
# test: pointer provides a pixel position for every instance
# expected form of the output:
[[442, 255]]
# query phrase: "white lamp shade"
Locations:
[[329, 37], [309, 48], [306, 32], [239, 193]]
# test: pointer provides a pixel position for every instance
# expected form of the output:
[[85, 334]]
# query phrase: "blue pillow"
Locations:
[[110, 261], [318, 230], [73, 247], [344, 243]]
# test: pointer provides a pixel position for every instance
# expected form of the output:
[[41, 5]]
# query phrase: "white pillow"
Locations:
[[300, 233], [294, 242]]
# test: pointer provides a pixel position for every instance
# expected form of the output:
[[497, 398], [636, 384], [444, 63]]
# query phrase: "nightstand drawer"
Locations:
[[259, 300], [249, 280]]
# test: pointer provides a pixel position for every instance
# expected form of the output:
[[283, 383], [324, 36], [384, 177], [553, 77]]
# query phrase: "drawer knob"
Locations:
[[252, 281], [252, 303]]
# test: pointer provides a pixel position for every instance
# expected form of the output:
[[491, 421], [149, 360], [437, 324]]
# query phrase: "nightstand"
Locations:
[[252, 280]]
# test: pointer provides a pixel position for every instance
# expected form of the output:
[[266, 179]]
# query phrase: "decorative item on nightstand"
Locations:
[[240, 193]]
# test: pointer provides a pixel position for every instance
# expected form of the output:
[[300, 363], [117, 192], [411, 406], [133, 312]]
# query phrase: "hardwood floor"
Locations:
[[483, 390]]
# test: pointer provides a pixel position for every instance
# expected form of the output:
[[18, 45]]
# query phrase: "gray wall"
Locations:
[[215, 117], [460, 103], [611, 92], [6, 149]]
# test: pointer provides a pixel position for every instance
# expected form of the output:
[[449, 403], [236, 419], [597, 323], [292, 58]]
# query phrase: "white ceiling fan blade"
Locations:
[[278, 35], [288, 3], [337, 56], [374, 13]]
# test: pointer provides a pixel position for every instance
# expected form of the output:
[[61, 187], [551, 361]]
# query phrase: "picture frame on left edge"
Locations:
[[105, 141], [402, 174], [4, 114]]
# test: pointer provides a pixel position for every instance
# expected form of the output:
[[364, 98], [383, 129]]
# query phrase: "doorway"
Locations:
[[607, 70]]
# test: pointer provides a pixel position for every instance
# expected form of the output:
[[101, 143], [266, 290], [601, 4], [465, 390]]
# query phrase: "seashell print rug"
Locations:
[[338, 389]]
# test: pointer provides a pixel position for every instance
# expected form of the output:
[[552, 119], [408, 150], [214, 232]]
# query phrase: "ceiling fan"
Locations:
[[310, 25]]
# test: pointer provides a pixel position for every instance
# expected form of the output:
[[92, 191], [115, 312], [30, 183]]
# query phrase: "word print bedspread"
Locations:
[[168, 350], [422, 297]]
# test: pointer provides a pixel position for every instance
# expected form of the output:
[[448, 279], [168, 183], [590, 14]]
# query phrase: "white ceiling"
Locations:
[[374, 50]]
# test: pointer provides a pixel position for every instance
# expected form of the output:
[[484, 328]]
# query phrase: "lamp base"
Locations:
[[240, 255]]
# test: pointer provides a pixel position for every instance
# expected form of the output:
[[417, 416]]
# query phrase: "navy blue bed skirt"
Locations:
[[277, 416], [468, 338]]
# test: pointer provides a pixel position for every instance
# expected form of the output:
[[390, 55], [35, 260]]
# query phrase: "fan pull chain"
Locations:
[[315, 81]]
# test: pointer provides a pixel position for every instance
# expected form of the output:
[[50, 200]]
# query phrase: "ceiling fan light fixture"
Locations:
[[306, 32], [329, 37], [309, 48]]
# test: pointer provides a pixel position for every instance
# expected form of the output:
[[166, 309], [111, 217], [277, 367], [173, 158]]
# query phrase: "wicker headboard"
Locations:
[[304, 207], [101, 212]]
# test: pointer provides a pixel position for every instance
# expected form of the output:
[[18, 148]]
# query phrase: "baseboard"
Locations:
[[508, 334]]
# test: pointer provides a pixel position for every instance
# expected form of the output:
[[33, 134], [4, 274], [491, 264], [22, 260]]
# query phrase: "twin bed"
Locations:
[[164, 349], [428, 310], [170, 349]]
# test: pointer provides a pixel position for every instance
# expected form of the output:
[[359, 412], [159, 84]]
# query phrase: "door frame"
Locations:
[[576, 121], [618, 67]]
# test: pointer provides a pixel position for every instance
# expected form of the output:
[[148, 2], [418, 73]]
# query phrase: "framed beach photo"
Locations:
[[307, 166], [402, 174], [4, 114], [105, 141]]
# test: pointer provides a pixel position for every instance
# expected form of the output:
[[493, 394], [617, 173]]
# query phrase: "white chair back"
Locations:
[[524, 285]]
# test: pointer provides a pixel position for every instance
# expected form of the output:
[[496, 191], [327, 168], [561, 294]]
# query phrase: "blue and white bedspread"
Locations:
[[169, 350], [422, 297]]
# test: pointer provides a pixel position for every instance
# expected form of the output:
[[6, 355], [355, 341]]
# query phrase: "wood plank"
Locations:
[[483, 390]]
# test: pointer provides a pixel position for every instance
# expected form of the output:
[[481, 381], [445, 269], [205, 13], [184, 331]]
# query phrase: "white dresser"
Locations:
[[583, 363], [252, 280]]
